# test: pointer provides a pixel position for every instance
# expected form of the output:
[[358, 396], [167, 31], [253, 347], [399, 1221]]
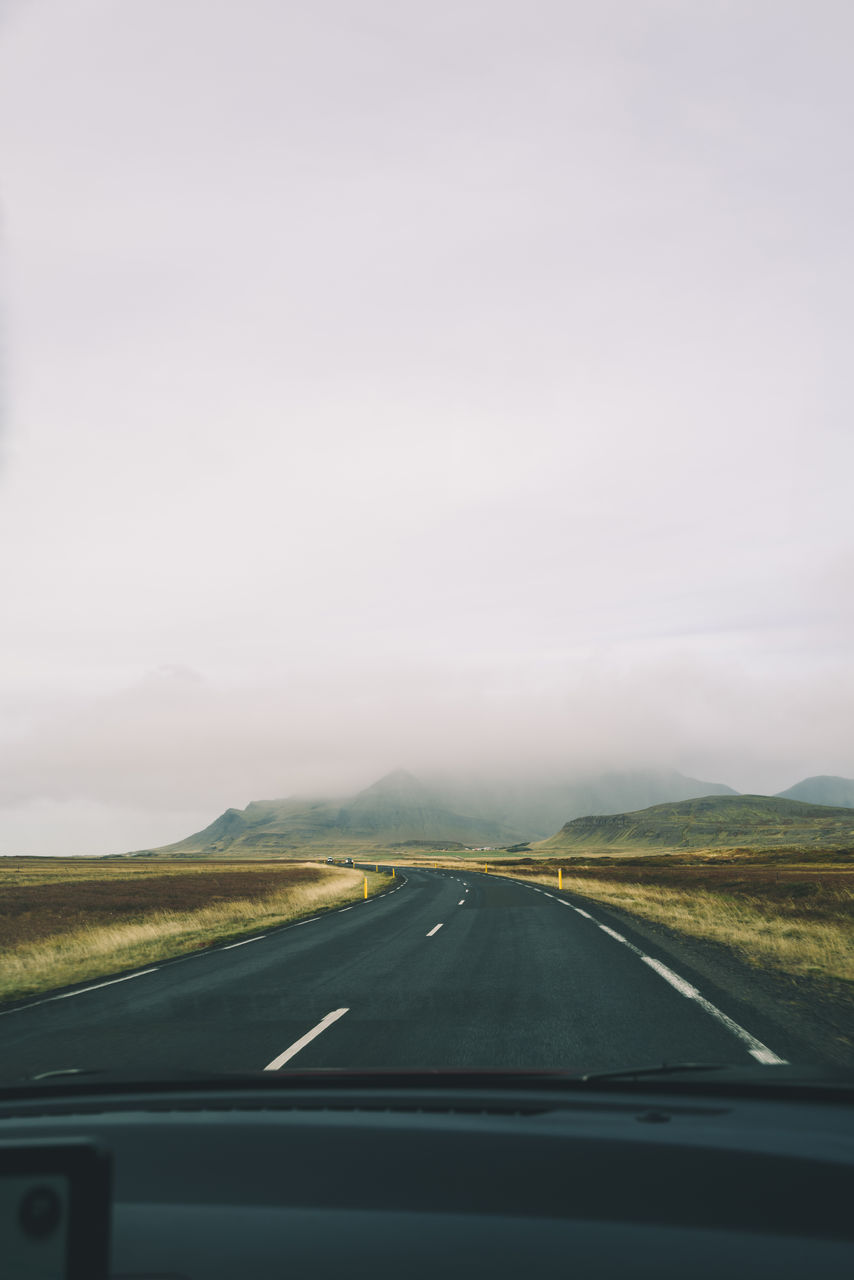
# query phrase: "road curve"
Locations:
[[451, 969]]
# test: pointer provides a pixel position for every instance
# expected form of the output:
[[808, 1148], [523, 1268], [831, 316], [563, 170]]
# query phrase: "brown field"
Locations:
[[69, 920]]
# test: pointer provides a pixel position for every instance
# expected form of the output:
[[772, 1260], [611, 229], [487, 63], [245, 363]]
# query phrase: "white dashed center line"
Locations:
[[435, 929], [306, 1039]]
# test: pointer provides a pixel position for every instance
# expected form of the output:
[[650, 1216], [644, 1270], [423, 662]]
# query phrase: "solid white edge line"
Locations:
[[755, 1047], [679, 984], [766, 1056], [244, 943], [435, 929], [294, 1049], [618, 937], [67, 995]]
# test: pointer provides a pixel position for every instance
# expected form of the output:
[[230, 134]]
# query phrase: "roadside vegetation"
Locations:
[[64, 921]]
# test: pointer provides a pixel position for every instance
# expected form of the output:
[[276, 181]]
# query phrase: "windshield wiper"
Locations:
[[663, 1069], [68, 1071]]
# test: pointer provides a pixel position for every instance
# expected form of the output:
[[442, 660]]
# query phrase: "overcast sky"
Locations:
[[460, 382]]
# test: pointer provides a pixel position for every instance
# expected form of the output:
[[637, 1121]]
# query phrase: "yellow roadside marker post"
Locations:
[[392, 873], [485, 868], [560, 877], [366, 886]]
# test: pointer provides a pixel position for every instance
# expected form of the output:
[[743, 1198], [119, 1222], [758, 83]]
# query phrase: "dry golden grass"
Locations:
[[788, 935], [88, 949]]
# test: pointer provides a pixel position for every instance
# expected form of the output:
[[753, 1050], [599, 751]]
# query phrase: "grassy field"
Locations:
[[69, 920]]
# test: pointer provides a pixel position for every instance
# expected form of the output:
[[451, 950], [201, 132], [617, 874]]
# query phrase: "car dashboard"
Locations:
[[459, 1175]]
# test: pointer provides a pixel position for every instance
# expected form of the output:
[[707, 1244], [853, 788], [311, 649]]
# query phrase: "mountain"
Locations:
[[538, 808], [263, 827], [400, 809], [709, 822], [824, 789]]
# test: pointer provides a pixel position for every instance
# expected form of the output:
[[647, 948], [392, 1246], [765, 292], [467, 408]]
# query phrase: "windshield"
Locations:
[[425, 536]]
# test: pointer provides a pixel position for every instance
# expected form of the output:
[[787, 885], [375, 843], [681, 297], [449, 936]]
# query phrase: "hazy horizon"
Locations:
[[445, 387]]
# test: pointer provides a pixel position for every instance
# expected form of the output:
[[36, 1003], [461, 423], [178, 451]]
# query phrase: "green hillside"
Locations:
[[401, 811], [263, 827], [710, 822], [394, 811], [824, 789]]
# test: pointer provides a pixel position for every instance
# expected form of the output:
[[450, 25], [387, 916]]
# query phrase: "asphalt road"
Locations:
[[514, 977]]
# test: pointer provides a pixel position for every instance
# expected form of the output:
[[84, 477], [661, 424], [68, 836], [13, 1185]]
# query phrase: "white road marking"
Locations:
[[67, 995], [755, 1047], [306, 1039], [244, 943], [617, 936], [435, 929], [548, 895], [684, 988], [461, 901], [766, 1056]]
